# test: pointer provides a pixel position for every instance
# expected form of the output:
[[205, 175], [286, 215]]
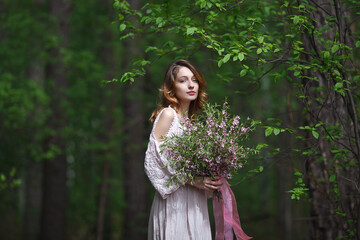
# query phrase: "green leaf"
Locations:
[[332, 178], [12, 172], [315, 134], [357, 44], [226, 58], [319, 124], [335, 48], [147, 20], [338, 85], [261, 39], [243, 72], [191, 30], [339, 212], [241, 56], [336, 72], [326, 54], [220, 62], [159, 20], [268, 131], [220, 51], [259, 50], [276, 131], [296, 19], [261, 146], [293, 67], [127, 36], [150, 48], [120, 17], [141, 62], [122, 27], [16, 182]]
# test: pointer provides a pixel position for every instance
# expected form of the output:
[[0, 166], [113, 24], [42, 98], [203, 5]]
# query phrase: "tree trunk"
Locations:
[[109, 123], [33, 175], [134, 152], [135, 179], [31, 225], [284, 170], [54, 178], [335, 200], [103, 196]]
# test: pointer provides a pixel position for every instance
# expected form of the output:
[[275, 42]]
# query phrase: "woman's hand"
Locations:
[[206, 183]]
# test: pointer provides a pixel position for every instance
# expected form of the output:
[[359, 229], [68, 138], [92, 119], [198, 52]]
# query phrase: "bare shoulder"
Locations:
[[164, 123], [167, 114]]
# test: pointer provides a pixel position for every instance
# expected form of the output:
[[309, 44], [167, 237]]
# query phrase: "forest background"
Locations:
[[79, 80]]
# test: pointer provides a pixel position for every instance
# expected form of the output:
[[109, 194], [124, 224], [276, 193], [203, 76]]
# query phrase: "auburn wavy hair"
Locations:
[[167, 90]]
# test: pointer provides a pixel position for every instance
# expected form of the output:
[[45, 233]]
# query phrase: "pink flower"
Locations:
[[244, 130]]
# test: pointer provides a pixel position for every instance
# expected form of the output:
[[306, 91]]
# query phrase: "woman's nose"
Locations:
[[191, 84]]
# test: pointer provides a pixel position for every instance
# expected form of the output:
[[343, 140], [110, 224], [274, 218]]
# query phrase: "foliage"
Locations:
[[282, 40], [23, 103], [9, 181], [300, 188]]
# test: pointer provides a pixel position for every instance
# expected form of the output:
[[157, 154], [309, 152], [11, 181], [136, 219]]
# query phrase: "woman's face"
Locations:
[[186, 85]]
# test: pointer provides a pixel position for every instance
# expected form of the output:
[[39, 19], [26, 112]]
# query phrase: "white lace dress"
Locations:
[[178, 212]]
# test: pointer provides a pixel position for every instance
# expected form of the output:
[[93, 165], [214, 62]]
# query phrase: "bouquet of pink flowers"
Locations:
[[211, 145]]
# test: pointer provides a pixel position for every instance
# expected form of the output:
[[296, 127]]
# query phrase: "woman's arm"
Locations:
[[155, 162]]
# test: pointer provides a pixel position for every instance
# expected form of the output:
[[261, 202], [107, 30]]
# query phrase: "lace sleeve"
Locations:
[[157, 172], [156, 167]]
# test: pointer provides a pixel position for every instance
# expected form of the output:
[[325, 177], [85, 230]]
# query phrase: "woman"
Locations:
[[179, 210]]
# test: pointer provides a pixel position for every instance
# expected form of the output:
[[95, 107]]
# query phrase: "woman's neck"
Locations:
[[184, 109]]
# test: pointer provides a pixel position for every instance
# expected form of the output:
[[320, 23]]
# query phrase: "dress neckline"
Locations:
[[177, 115]]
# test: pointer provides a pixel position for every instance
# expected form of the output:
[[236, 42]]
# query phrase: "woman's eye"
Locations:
[[195, 80]]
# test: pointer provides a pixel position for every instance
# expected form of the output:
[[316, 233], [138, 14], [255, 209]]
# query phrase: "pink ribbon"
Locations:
[[226, 215]]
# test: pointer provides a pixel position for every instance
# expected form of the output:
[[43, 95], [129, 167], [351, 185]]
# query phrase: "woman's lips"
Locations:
[[191, 93]]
